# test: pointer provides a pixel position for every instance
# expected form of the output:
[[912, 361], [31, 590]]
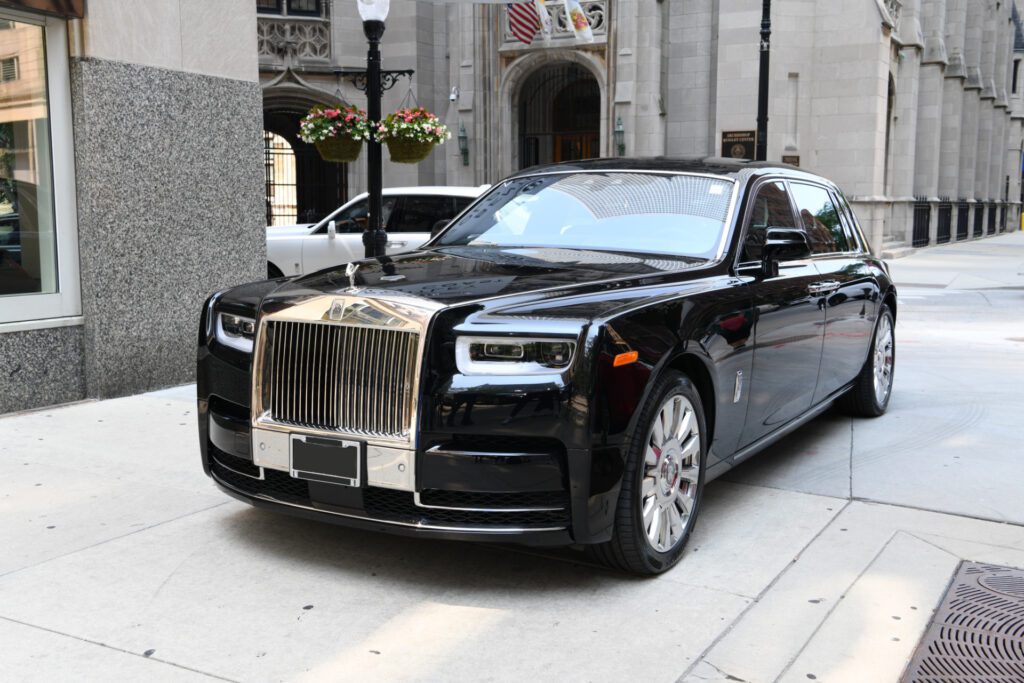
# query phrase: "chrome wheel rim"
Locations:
[[883, 360], [671, 474]]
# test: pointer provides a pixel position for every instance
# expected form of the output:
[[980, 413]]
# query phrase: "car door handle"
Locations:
[[826, 287], [393, 245]]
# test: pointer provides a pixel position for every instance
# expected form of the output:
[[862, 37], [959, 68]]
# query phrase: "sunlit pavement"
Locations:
[[822, 557]]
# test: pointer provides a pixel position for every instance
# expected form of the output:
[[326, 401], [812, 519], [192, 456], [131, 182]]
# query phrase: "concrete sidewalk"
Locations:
[[823, 557]]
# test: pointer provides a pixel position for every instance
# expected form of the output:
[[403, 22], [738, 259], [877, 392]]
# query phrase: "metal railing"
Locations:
[[963, 215], [922, 222], [945, 226]]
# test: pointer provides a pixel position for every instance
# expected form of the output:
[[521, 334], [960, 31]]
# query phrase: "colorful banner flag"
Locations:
[[523, 20], [578, 22]]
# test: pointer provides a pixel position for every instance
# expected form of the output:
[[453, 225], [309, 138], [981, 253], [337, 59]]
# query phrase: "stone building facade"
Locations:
[[912, 106], [131, 187]]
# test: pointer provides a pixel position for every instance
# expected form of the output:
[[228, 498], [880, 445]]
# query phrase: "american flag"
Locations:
[[523, 21]]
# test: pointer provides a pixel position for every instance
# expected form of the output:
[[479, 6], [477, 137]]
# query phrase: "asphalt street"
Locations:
[[820, 559]]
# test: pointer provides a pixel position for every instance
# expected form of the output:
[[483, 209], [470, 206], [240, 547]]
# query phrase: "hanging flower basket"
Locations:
[[411, 134], [409, 151], [338, 133], [339, 150]]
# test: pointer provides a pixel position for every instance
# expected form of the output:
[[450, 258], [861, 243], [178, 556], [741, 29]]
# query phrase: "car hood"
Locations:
[[458, 275], [288, 230]]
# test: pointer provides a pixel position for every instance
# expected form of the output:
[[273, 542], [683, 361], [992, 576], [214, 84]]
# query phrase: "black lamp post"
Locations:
[[761, 153], [373, 13]]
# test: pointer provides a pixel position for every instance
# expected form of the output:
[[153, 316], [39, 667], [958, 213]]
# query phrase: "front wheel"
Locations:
[[663, 481]]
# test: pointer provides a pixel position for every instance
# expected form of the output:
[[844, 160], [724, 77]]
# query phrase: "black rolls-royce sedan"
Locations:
[[569, 362]]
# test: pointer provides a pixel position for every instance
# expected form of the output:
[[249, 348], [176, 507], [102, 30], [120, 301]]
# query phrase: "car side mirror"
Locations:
[[332, 229], [782, 244], [439, 226]]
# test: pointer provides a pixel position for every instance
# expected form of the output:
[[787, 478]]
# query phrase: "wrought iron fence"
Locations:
[[945, 220], [1002, 218], [922, 222], [991, 219], [979, 219], [963, 214]]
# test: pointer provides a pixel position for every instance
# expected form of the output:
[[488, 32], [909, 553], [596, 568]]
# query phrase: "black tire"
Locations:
[[862, 400], [273, 272], [629, 549]]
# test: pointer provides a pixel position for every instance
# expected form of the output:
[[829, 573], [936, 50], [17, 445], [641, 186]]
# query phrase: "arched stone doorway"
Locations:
[[320, 186], [559, 115]]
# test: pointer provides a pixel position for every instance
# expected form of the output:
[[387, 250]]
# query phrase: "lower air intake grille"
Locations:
[[399, 505], [278, 485]]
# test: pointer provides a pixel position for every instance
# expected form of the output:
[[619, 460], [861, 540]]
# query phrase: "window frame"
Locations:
[[850, 243], [318, 12], [748, 211], [36, 311], [271, 12]]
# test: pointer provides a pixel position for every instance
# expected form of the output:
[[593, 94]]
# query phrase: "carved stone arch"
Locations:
[[320, 186], [510, 90]]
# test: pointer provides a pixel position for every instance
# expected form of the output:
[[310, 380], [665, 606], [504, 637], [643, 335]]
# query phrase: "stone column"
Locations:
[[986, 120], [929, 105], [1004, 34], [971, 105], [952, 101]]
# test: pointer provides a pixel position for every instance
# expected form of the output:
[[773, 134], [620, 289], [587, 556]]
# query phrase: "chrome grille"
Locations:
[[340, 377]]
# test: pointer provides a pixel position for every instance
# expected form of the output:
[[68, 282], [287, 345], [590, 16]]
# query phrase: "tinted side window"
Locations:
[[770, 209], [420, 212], [460, 204], [853, 232], [820, 218], [354, 218]]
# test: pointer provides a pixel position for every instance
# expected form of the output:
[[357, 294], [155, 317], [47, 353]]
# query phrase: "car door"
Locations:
[[415, 218], [847, 288], [320, 250], [789, 322]]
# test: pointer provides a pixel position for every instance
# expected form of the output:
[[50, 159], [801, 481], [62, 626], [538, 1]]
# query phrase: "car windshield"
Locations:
[[614, 211]]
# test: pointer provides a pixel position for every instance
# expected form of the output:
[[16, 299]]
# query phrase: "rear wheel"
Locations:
[[663, 482], [872, 389]]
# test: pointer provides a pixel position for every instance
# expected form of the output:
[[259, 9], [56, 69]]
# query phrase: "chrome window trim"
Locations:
[[409, 525]]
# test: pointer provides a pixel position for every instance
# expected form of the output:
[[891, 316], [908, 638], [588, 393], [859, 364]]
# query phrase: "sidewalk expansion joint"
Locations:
[[116, 649]]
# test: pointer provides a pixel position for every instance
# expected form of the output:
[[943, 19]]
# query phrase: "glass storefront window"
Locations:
[[39, 272], [28, 245]]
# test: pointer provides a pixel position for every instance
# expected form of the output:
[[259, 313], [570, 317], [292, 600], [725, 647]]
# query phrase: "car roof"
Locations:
[[736, 168]]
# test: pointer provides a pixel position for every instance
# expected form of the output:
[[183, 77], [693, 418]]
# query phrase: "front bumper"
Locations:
[[510, 496]]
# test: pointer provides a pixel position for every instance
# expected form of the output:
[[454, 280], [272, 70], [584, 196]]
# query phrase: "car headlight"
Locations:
[[513, 355], [236, 331]]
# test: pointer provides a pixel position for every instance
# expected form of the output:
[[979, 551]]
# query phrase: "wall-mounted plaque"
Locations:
[[791, 159], [739, 144]]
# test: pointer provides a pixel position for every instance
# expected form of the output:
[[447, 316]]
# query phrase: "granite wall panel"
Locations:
[[41, 367], [170, 208]]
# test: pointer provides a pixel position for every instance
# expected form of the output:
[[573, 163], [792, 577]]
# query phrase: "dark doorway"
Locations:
[[319, 186], [559, 116]]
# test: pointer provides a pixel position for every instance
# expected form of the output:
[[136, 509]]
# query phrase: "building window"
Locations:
[[8, 69], [301, 8], [282, 196], [1016, 75], [308, 8], [38, 250]]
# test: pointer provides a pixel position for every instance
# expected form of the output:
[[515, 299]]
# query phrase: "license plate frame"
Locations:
[[326, 459]]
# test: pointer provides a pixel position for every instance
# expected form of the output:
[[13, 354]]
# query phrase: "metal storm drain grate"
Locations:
[[977, 633]]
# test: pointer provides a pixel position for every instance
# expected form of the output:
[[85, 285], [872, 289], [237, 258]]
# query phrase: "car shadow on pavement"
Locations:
[[445, 565]]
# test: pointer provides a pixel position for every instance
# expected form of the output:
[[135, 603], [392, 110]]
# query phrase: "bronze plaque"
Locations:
[[791, 159], [739, 144]]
